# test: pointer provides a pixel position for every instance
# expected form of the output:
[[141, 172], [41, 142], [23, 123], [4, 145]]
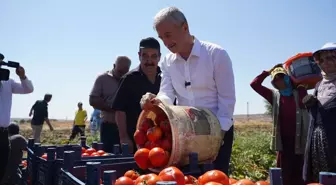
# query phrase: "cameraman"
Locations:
[[7, 89]]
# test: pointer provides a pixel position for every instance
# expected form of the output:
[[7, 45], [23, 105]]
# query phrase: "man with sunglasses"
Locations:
[[145, 78]]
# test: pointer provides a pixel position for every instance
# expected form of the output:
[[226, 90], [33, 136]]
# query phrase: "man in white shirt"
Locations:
[[7, 89], [197, 74]]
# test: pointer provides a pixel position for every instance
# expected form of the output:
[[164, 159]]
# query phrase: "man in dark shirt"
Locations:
[[102, 96], [145, 78], [18, 144], [40, 114]]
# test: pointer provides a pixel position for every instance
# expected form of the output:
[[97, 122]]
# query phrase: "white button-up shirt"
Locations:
[[209, 71], [7, 89]]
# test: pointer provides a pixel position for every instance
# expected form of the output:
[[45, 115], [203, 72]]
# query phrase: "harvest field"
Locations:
[[251, 156]]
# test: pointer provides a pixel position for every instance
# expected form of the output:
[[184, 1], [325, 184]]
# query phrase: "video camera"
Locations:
[[4, 73]]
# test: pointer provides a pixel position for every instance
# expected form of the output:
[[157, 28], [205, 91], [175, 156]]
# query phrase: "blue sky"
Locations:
[[65, 44]]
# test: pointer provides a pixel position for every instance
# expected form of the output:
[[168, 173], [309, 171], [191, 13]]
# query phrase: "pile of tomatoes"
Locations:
[[213, 177], [91, 152], [154, 140]]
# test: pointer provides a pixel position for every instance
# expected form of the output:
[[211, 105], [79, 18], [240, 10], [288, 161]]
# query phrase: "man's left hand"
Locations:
[[20, 71]]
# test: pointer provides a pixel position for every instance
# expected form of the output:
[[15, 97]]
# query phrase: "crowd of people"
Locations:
[[199, 74]]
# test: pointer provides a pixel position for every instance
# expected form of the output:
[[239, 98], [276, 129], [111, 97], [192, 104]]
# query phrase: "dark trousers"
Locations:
[[76, 129], [109, 136], [5, 149], [224, 155]]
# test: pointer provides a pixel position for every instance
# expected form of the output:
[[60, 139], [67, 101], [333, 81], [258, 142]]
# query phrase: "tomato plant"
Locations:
[[158, 157], [146, 124], [141, 158], [214, 176], [154, 134], [124, 181], [172, 174], [166, 144], [140, 137]]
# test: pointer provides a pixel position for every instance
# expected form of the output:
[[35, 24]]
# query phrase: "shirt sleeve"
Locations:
[[263, 91], [46, 113], [97, 89], [224, 80], [25, 87], [167, 93], [121, 99]]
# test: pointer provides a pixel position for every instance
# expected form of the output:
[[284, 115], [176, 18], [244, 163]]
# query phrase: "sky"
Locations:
[[64, 45]]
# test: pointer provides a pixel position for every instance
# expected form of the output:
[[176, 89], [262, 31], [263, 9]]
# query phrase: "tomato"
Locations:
[[214, 176], [154, 134], [44, 156], [150, 145], [141, 158], [165, 126], [166, 144], [244, 182], [267, 183], [105, 154], [172, 174], [101, 181], [213, 183], [124, 181], [83, 150], [140, 137], [146, 124], [24, 163], [100, 152], [189, 179], [132, 174], [158, 157], [149, 179], [232, 181], [90, 150], [85, 155]]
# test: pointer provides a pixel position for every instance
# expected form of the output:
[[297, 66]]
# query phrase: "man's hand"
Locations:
[[148, 100], [20, 71], [128, 141], [278, 65]]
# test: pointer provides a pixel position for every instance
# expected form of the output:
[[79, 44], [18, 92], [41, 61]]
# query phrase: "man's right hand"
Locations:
[[148, 100], [278, 65], [128, 141]]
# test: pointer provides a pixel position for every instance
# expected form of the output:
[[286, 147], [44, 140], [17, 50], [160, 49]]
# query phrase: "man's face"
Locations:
[[327, 61], [149, 59], [80, 106], [121, 67], [173, 36]]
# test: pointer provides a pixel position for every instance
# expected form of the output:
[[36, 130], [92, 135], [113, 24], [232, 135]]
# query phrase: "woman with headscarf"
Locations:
[[320, 152], [290, 122]]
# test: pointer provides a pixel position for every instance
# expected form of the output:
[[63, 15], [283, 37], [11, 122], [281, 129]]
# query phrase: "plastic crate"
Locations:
[[326, 178]]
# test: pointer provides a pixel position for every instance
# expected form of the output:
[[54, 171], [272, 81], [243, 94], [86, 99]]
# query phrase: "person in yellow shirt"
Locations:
[[79, 122]]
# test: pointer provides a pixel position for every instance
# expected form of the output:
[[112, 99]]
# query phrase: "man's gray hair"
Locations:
[[172, 14], [123, 58]]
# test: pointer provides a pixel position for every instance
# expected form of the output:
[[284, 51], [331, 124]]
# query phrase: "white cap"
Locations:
[[326, 47]]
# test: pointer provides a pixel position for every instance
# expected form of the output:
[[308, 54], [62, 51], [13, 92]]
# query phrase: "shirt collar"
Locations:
[[195, 51]]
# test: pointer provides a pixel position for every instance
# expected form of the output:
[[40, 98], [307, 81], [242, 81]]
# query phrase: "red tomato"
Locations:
[[149, 179], [165, 126], [154, 134], [232, 181], [146, 124], [124, 181], [150, 145], [267, 183], [85, 155], [83, 150], [140, 137], [214, 176], [24, 163], [141, 158], [94, 154], [189, 179], [172, 174], [90, 150], [213, 183], [101, 152], [132, 174], [158, 157], [44, 156], [106, 154], [166, 144], [244, 182]]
